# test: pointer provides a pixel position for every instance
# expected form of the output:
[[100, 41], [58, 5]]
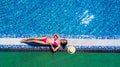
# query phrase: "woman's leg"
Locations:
[[36, 41], [41, 38], [29, 39]]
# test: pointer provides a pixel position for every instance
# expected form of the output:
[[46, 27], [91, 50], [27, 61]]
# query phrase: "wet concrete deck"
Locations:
[[74, 42]]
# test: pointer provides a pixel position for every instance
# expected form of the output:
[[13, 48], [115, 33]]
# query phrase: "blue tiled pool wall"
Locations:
[[61, 16], [61, 35]]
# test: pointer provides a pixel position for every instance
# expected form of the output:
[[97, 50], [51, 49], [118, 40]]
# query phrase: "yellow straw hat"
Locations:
[[71, 49]]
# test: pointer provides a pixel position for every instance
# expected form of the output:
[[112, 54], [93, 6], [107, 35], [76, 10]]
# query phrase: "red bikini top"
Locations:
[[55, 43]]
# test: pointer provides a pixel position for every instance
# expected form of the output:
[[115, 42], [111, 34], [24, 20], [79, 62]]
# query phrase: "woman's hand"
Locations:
[[56, 35], [55, 49]]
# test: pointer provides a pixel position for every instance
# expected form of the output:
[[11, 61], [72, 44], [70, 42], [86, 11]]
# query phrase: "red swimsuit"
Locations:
[[45, 40], [54, 42]]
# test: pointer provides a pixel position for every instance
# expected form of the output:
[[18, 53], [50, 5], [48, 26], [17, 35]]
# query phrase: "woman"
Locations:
[[55, 40]]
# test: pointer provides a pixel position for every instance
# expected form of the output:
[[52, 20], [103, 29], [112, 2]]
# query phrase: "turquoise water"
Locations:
[[70, 17]]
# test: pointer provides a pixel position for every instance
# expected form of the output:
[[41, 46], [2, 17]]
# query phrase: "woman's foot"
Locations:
[[23, 40]]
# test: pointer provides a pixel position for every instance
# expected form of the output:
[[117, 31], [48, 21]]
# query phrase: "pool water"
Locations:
[[67, 17]]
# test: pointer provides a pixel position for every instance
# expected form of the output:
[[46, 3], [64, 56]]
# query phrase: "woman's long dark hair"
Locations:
[[64, 44]]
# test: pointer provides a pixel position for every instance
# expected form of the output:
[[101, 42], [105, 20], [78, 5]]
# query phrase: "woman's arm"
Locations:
[[56, 35], [55, 49]]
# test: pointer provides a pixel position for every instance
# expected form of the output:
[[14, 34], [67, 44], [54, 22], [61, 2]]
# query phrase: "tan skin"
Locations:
[[48, 41]]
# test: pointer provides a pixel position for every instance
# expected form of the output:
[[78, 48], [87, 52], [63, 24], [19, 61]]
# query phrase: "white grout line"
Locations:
[[81, 42]]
